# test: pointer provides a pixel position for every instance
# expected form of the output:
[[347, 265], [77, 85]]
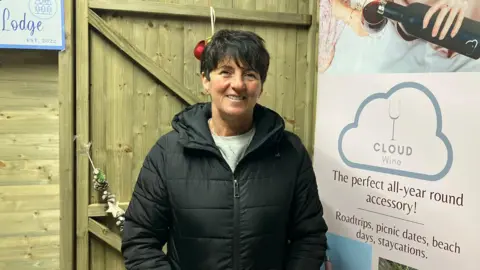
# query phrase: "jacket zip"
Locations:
[[236, 225], [236, 216]]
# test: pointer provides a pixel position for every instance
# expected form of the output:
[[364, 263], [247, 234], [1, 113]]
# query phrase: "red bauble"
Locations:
[[199, 49]]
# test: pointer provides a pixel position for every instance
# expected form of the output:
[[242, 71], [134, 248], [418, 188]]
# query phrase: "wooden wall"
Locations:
[[29, 160]]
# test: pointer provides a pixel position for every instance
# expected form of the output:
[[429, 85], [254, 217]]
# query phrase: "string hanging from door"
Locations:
[[101, 185], [200, 47]]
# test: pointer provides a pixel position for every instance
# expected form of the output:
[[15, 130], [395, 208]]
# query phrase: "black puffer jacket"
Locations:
[[185, 195]]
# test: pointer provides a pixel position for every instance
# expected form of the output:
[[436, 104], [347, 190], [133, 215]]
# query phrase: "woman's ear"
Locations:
[[205, 82]]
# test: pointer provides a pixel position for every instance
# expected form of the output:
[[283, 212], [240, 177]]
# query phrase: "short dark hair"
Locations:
[[244, 47]]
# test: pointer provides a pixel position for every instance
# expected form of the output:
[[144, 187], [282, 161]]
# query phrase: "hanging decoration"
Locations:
[[100, 184], [200, 47]]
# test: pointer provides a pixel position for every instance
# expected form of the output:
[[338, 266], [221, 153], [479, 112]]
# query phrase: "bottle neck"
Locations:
[[392, 10]]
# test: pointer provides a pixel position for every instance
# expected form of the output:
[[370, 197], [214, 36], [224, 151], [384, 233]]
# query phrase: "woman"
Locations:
[[336, 14], [229, 187]]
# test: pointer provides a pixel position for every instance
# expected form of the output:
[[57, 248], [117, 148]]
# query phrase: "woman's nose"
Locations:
[[238, 82]]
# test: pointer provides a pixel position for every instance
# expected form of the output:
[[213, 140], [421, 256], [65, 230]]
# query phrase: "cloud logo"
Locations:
[[417, 166]]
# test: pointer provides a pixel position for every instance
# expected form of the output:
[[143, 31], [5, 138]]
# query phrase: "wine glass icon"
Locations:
[[394, 113]]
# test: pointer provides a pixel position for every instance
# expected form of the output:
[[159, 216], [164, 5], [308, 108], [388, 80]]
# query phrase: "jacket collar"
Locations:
[[192, 126]]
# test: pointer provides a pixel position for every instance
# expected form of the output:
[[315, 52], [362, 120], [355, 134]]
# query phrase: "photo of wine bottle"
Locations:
[[465, 42], [398, 36]]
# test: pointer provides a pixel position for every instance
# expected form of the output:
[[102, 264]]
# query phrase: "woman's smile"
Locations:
[[236, 98]]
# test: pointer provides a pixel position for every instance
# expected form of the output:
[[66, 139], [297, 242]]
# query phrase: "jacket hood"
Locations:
[[192, 126]]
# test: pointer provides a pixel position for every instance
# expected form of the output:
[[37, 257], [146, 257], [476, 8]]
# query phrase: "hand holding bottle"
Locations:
[[455, 9], [466, 37]]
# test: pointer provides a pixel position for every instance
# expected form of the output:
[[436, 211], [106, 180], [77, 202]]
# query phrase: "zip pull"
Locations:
[[236, 194]]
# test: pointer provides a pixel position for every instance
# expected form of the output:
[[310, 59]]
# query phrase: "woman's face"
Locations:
[[234, 89]]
